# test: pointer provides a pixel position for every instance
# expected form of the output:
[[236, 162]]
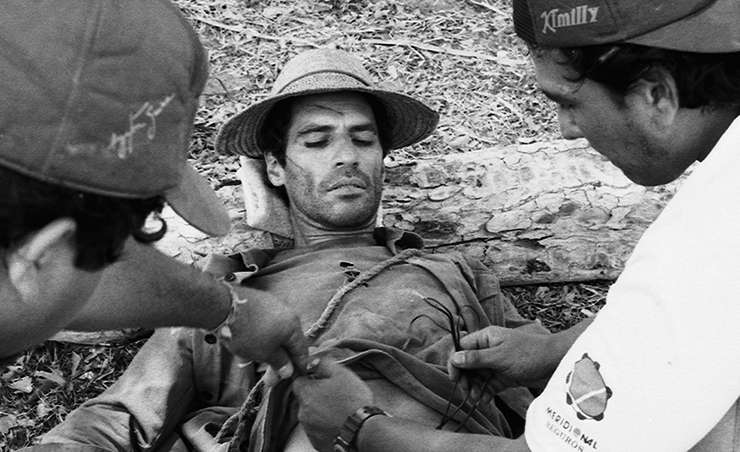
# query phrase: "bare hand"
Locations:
[[506, 357], [327, 396], [265, 329]]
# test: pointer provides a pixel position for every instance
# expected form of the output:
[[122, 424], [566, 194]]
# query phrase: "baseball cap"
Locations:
[[323, 71], [702, 26], [100, 96]]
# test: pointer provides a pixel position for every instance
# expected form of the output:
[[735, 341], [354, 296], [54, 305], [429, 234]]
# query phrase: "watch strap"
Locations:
[[346, 441]]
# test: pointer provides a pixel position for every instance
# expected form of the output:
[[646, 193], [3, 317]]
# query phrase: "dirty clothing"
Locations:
[[183, 385]]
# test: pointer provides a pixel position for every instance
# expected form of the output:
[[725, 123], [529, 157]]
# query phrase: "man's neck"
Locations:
[[710, 128], [319, 237], [306, 233]]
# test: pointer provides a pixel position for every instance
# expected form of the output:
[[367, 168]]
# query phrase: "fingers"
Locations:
[[271, 377], [464, 383], [457, 375], [452, 370], [487, 396], [292, 356], [280, 364], [472, 359], [322, 368], [297, 349], [496, 385], [317, 369], [490, 336]]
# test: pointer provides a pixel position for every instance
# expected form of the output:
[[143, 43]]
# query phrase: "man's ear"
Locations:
[[50, 246], [657, 91], [275, 171]]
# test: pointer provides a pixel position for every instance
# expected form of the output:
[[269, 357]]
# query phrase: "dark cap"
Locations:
[[100, 96], [702, 26]]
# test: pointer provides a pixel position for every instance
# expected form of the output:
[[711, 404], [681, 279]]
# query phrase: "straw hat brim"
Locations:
[[410, 120]]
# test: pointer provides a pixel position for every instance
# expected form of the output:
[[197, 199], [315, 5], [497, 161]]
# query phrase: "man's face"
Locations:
[[618, 128], [39, 280], [334, 169]]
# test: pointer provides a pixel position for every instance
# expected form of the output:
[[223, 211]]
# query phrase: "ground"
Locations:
[[461, 57]]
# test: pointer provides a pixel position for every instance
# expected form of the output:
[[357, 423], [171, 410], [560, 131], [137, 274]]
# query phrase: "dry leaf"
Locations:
[[6, 423], [24, 384], [54, 376]]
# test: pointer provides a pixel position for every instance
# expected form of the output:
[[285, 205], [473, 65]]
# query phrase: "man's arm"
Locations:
[[147, 288], [391, 434], [332, 392]]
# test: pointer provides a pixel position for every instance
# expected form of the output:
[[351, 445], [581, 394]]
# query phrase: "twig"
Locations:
[[488, 7], [252, 33], [431, 48]]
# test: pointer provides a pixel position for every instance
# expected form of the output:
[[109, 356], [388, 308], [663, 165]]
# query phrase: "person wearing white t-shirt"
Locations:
[[654, 85]]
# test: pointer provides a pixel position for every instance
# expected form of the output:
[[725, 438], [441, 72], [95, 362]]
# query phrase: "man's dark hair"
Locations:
[[273, 135], [103, 222], [703, 79]]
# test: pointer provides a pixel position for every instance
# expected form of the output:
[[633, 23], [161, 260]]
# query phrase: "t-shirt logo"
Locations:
[[586, 391]]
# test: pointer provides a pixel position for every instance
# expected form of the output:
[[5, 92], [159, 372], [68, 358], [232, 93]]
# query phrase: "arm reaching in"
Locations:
[[331, 392], [147, 288], [514, 357]]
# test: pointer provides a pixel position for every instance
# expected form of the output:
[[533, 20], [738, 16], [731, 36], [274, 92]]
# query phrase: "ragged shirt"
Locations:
[[183, 384]]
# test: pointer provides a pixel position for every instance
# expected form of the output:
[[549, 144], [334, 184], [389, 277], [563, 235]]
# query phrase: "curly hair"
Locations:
[[273, 135], [104, 223], [704, 80]]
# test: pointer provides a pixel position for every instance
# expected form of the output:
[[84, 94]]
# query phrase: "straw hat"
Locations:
[[325, 71]]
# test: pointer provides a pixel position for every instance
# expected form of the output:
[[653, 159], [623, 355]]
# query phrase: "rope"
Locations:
[[241, 422], [364, 277]]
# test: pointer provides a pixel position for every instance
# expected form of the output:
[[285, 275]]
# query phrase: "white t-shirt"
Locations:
[[660, 365]]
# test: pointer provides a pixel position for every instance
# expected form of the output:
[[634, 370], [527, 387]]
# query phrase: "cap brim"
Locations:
[[714, 29], [196, 202]]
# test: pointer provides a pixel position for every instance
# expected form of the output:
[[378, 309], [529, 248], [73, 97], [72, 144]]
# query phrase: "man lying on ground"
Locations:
[[368, 297]]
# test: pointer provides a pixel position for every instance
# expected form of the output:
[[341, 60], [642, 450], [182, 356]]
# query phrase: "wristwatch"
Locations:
[[347, 438]]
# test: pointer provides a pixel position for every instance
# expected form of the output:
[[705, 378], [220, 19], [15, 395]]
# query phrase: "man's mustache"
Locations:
[[346, 176]]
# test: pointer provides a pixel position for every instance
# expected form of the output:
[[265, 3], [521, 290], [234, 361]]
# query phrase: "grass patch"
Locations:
[[43, 385]]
